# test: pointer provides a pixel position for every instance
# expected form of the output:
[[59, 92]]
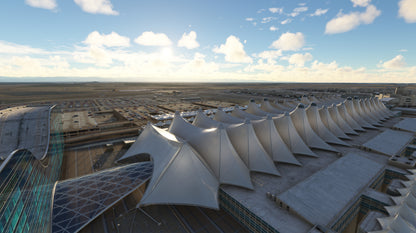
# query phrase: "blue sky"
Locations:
[[208, 41]]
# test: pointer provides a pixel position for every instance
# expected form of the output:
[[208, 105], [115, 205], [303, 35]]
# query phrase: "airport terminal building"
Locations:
[[314, 165]]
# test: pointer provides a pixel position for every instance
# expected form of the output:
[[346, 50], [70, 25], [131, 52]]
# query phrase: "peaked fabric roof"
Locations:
[[350, 106], [281, 106], [291, 137], [319, 127], [304, 100], [360, 111], [402, 215], [314, 99], [237, 112], [342, 109], [372, 110], [255, 110], [215, 147], [221, 116], [340, 121], [245, 142], [272, 141], [366, 112], [301, 122], [178, 171], [381, 107], [330, 123], [267, 107]]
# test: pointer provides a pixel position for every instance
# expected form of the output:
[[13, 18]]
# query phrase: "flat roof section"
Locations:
[[389, 142], [407, 124], [24, 128], [259, 204], [73, 121], [322, 197]]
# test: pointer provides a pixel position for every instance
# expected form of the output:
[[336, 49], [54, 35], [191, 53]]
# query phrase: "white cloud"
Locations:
[[45, 4], [298, 10], [267, 19], [233, 50], [150, 38], [289, 41], [403, 50], [249, 19], [198, 65], [395, 63], [299, 59], [261, 10], [319, 12], [273, 28], [96, 55], [276, 10], [188, 40], [362, 3], [96, 6], [270, 54], [111, 40], [11, 48], [347, 22], [407, 10], [286, 21]]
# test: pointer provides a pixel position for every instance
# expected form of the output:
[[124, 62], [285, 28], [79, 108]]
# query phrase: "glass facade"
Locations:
[[80, 200], [244, 215], [26, 187]]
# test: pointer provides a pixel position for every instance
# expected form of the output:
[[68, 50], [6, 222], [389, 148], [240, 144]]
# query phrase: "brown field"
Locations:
[[14, 93]]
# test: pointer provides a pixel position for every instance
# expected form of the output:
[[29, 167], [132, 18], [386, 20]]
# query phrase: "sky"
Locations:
[[363, 41]]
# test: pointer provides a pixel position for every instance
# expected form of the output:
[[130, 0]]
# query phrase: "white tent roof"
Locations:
[[378, 108], [350, 106], [272, 142], [174, 161], [290, 104], [319, 127], [360, 112], [267, 107], [221, 116], [314, 99], [366, 112], [330, 124], [342, 109], [403, 215], [301, 122], [368, 109], [244, 115], [339, 120], [382, 107], [372, 109], [252, 108], [245, 142], [281, 106], [215, 147], [291, 137], [304, 100]]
